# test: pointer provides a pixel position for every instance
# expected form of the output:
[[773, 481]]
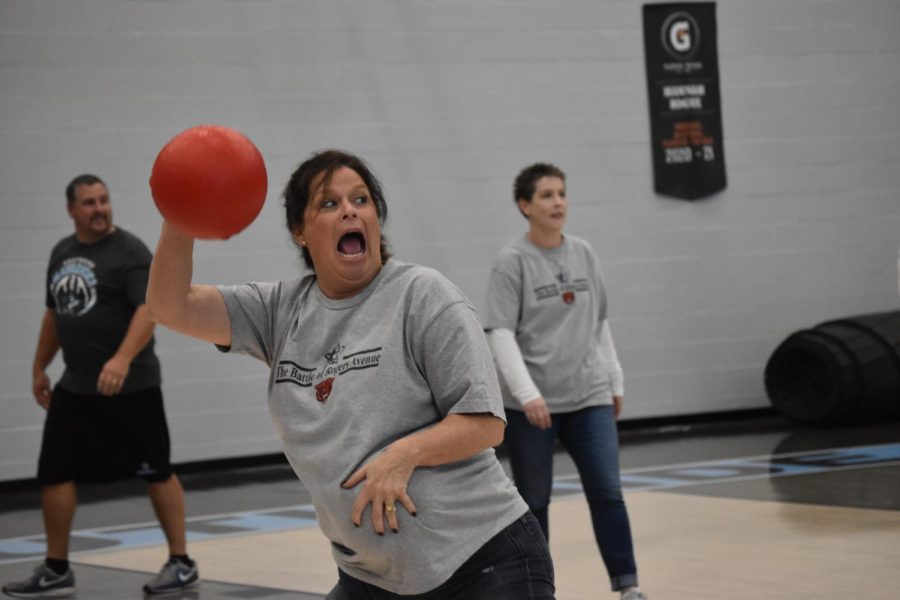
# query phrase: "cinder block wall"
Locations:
[[447, 100]]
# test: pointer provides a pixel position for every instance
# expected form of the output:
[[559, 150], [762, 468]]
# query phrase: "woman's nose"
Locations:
[[348, 209]]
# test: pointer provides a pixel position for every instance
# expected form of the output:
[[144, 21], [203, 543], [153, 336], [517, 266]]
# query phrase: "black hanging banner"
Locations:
[[683, 87]]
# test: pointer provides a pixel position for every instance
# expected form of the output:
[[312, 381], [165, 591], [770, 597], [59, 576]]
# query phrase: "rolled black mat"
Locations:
[[841, 371]]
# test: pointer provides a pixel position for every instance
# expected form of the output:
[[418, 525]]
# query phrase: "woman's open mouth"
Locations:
[[352, 243]]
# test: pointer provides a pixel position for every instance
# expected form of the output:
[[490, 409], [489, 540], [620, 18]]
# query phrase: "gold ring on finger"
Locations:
[[389, 508]]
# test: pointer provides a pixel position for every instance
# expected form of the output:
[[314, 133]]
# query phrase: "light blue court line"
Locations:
[[567, 486], [647, 481], [847, 456], [137, 537], [268, 522], [143, 534], [882, 453], [770, 468], [642, 479], [130, 538], [11, 546], [821, 457], [706, 473], [746, 469]]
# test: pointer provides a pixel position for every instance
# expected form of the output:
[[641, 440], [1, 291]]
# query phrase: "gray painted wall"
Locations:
[[447, 100]]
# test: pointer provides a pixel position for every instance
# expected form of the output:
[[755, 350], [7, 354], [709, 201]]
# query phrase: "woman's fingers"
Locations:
[[378, 517], [390, 512], [354, 479], [392, 508], [537, 414], [408, 504], [385, 489], [361, 500], [385, 504]]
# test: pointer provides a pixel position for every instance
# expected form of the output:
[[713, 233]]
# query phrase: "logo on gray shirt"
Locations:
[[323, 378]]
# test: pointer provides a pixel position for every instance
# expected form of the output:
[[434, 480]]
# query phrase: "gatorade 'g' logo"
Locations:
[[680, 35]]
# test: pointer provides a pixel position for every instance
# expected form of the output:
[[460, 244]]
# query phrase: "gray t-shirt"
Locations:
[[348, 377], [555, 303]]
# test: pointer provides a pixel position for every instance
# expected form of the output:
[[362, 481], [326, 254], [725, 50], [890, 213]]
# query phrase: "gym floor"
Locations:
[[752, 508]]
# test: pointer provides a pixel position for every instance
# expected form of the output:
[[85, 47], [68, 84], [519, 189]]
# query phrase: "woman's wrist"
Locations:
[[406, 450]]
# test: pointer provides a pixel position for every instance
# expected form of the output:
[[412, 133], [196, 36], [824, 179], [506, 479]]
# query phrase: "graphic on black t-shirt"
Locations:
[[74, 287]]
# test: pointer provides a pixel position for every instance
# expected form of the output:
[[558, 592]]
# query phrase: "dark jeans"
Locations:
[[590, 437], [513, 565]]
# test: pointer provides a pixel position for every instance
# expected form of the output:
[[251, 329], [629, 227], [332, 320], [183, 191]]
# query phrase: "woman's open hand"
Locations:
[[385, 479], [537, 413]]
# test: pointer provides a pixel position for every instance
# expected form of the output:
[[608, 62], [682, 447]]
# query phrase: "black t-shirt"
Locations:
[[95, 289]]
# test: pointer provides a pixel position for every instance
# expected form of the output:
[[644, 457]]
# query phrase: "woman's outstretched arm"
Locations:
[[173, 301]]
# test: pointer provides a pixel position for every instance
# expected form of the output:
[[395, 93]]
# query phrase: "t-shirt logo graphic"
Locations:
[[322, 378], [323, 389], [74, 287], [568, 297], [332, 356]]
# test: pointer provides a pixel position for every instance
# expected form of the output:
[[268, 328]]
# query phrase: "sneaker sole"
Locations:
[[169, 592], [57, 593]]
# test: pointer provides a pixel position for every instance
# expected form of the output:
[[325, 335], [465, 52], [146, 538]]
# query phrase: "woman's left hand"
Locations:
[[385, 485]]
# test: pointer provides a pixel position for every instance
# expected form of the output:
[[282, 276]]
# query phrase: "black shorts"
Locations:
[[100, 438]]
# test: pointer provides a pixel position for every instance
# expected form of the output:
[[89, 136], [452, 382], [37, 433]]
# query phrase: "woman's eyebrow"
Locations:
[[329, 191]]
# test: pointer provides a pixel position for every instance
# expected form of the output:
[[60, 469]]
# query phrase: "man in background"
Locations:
[[105, 418]]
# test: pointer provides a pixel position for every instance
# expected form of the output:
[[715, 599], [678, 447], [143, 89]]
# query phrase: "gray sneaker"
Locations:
[[174, 576], [43, 583], [633, 595]]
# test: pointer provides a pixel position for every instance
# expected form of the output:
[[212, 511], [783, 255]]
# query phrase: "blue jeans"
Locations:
[[513, 565], [590, 437]]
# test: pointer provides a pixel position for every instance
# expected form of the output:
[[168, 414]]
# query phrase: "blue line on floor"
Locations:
[[643, 479]]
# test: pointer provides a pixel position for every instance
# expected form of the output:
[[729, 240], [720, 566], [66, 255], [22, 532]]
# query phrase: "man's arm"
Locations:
[[47, 347], [115, 370]]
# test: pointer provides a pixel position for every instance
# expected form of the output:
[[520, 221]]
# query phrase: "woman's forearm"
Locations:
[[170, 275], [511, 365], [455, 438], [195, 310]]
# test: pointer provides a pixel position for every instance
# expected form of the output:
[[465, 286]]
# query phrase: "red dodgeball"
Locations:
[[209, 182]]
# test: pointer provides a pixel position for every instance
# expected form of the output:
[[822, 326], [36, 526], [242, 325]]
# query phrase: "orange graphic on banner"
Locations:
[[688, 133]]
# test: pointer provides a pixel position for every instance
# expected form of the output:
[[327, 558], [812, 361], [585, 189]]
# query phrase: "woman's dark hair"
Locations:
[[86, 179], [298, 192], [526, 181]]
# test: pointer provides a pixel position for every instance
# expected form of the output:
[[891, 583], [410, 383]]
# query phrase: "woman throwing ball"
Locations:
[[383, 392]]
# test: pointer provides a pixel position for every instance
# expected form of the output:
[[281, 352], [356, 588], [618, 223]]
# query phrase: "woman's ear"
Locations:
[[524, 206], [298, 236]]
